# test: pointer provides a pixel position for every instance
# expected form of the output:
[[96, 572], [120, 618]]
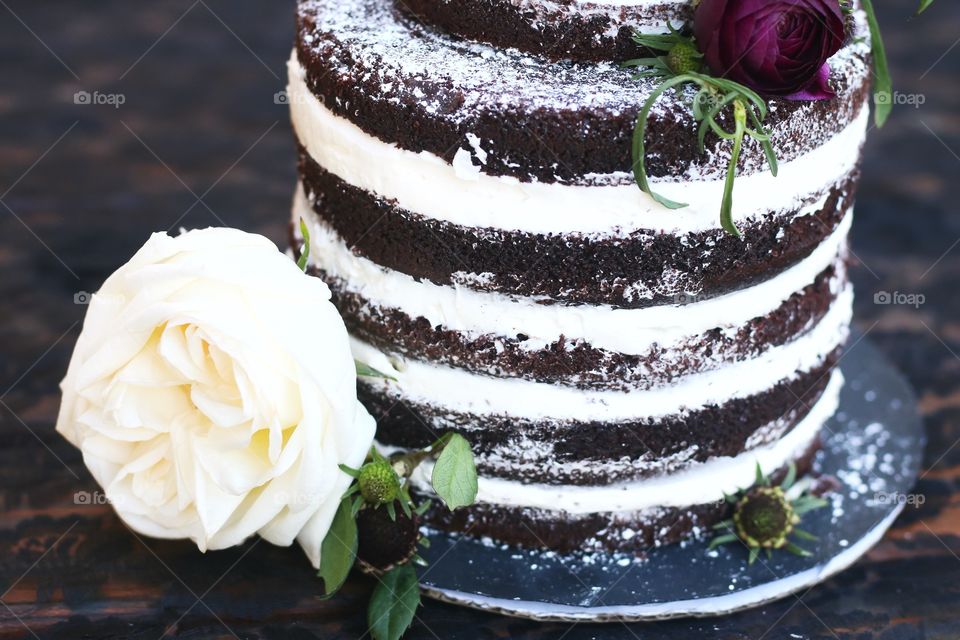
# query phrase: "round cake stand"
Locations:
[[873, 446]]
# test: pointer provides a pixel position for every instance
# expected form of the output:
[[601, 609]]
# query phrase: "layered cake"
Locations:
[[617, 366]]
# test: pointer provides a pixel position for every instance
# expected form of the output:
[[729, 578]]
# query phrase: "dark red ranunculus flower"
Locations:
[[776, 47]]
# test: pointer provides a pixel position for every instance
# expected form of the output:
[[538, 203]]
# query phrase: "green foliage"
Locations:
[[455, 474], [305, 251], [339, 549], [883, 83], [713, 98], [366, 371], [394, 603]]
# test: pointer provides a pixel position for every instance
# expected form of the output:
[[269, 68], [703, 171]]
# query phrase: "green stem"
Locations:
[[726, 209], [639, 133], [407, 463], [764, 139], [883, 91], [305, 251], [709, 120]]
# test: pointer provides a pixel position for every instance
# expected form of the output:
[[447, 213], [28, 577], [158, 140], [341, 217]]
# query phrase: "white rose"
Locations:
[[213, 394]]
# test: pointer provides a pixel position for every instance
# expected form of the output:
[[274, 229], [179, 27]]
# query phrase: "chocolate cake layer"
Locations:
[[405, 83], [576, 362], [597, 453], [616, 532], [563, 29], [624, 272]]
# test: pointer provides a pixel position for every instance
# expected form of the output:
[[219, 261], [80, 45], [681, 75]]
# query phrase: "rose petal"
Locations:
[[818, 89]]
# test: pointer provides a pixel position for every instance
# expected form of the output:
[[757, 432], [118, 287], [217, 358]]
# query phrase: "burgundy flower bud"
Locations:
[[775, 47]]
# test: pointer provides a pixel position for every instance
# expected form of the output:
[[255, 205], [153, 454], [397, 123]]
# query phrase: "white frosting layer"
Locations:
[[426, 184], [630, 331], [461, 391], [704, 483]]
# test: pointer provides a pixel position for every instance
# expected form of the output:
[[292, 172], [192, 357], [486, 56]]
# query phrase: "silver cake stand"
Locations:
[[873, 446]]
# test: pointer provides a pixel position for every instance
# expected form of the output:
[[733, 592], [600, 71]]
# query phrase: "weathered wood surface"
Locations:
[[83, 185]]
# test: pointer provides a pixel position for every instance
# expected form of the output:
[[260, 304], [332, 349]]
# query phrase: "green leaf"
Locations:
[[745, 92], [804, 535], [924, 5], [639, 142], [641, 62], [394, 603], [805, 504], [339, 549], [797, 551], [790, 478], [423, 507], [659, 42], [350, 471], [455, 475], [366, 371], [765, 143], [883, 87], [754, 552], [305, 251], [724, 539], [709, 119], [726, 207]]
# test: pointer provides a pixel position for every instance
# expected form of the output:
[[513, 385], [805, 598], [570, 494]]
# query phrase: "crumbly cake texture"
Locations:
[[411, 85], [554, 29], [615, 365]]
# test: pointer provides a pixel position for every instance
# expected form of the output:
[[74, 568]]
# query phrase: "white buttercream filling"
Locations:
[[428, 185], [701, 484], [458, 390], [630, 331]]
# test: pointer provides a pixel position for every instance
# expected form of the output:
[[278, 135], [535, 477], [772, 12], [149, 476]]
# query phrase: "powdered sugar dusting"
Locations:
[[459, 82]]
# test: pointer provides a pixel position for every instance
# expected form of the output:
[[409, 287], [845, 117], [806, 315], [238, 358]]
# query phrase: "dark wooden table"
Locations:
[[200, 141]]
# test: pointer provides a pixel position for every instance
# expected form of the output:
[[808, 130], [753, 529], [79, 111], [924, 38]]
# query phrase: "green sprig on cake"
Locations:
[[740, 53]]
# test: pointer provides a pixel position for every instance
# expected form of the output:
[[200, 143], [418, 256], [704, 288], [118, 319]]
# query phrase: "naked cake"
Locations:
[[465, 173]]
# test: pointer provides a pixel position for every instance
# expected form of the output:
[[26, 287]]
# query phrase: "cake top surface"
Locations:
[[390, 45], [362, 53]]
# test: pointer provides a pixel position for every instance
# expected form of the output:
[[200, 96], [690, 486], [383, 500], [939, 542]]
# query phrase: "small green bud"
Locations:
[[379, 483], [683, 58], [739, 111]]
